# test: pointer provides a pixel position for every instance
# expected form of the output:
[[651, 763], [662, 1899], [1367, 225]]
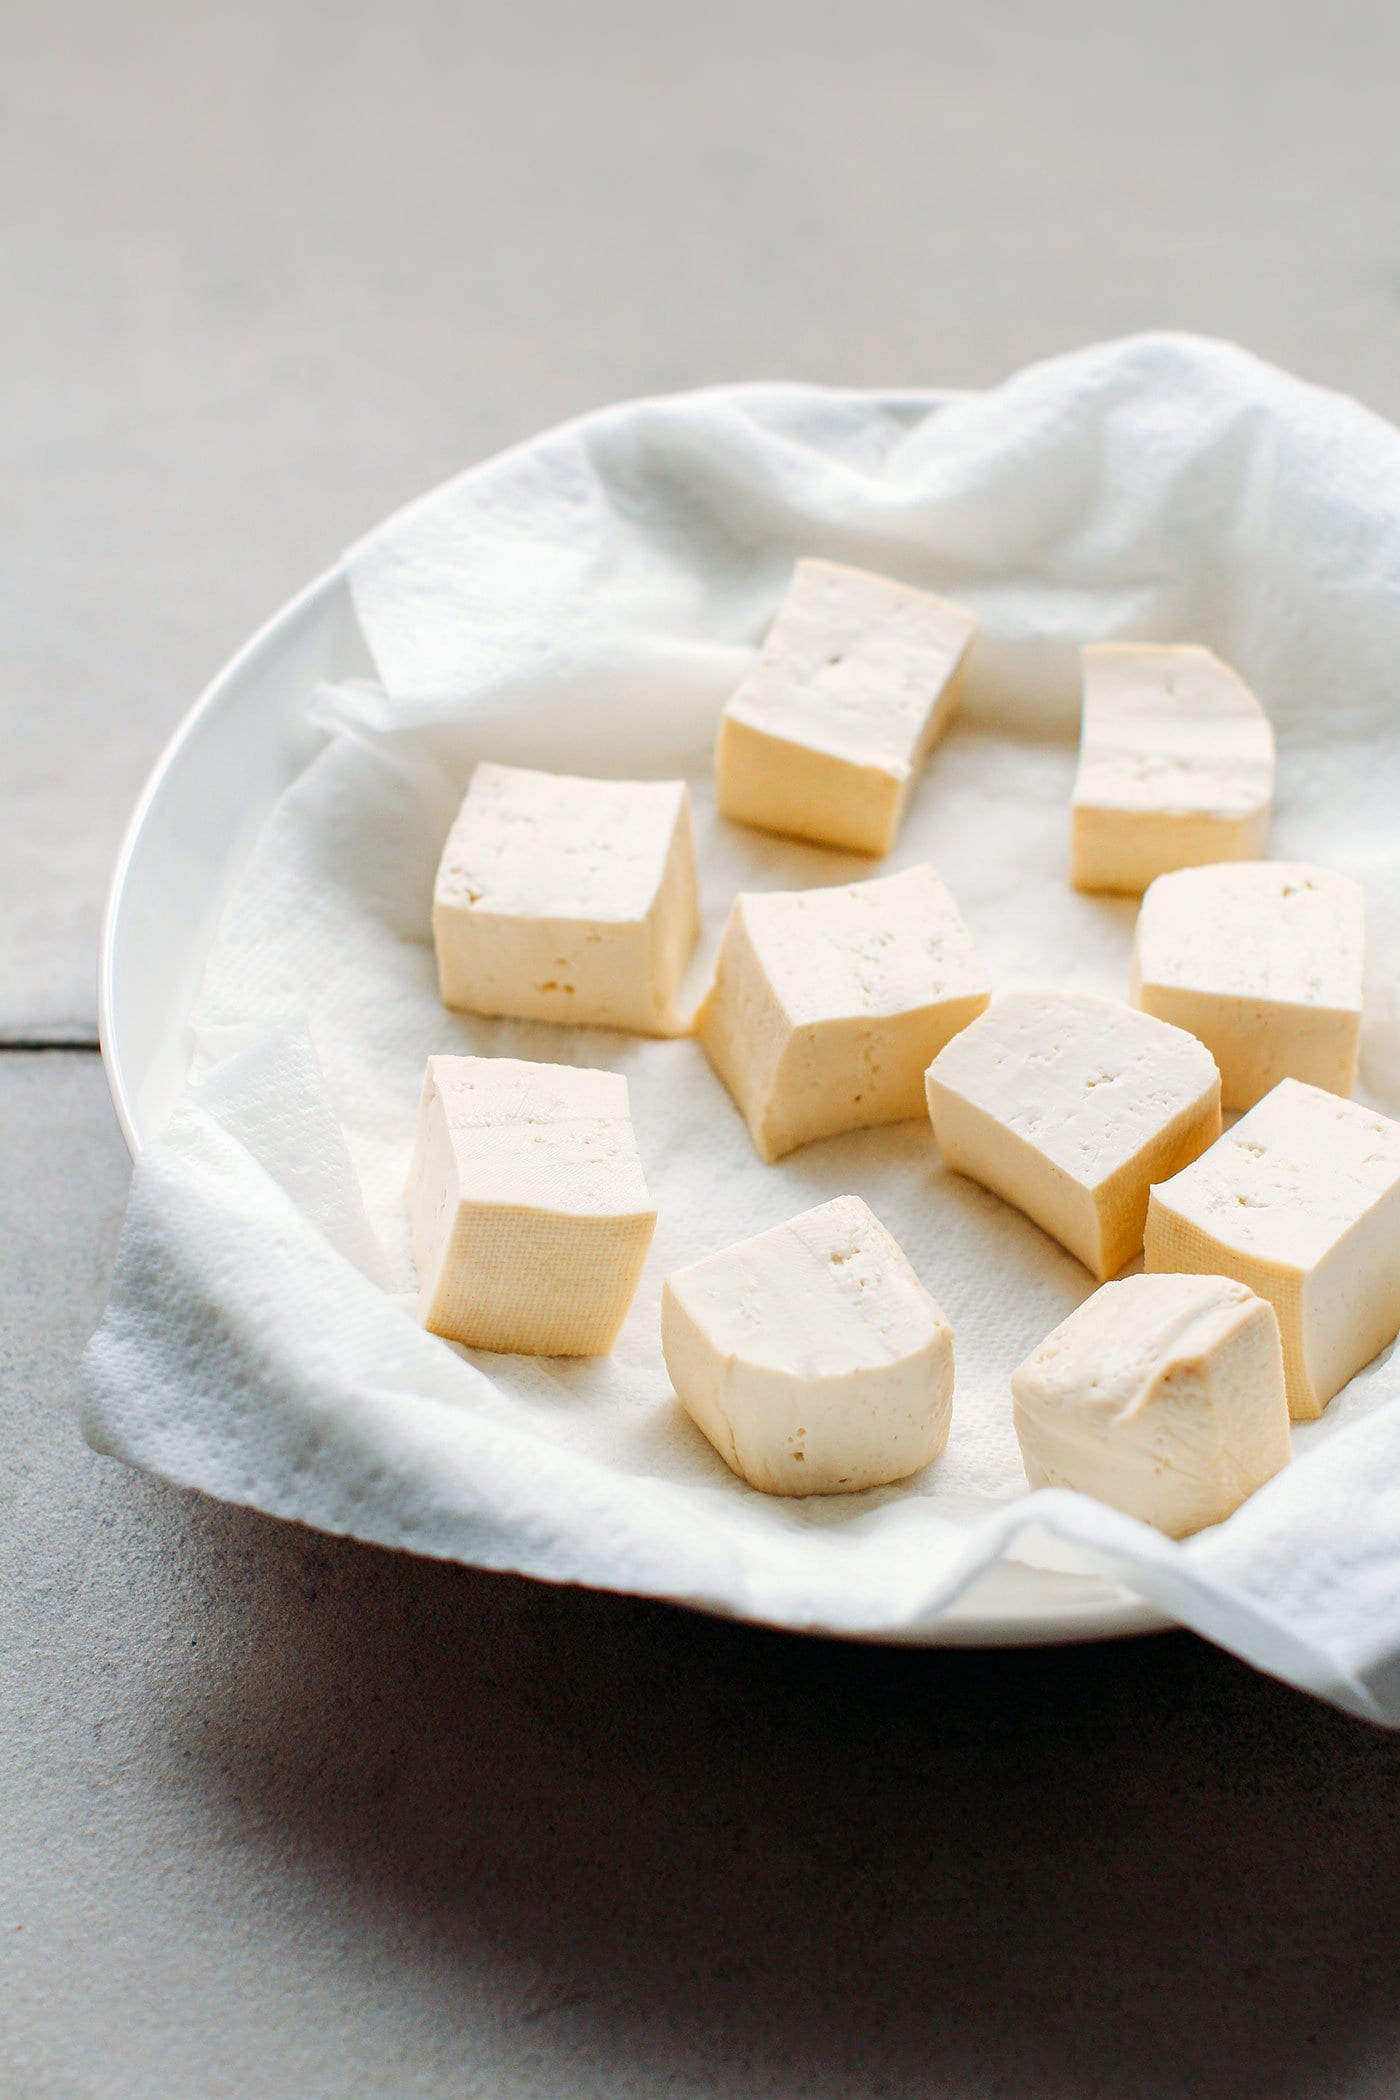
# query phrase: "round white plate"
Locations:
[[241, 744]]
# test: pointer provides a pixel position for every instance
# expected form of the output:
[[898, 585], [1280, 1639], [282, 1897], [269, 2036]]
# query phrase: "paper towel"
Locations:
[[585, 603]]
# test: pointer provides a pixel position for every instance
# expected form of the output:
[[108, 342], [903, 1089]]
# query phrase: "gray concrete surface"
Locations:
[[282, 1816]]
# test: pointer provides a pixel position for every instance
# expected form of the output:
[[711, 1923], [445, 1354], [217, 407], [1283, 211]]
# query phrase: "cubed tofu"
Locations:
[[1160, 1395], [1070, 1107], [569, 900], [828, 1004], [1262, 959], [853, 686], [811, 1355], [1301, 1202], [530, 1214], [1176, 766]]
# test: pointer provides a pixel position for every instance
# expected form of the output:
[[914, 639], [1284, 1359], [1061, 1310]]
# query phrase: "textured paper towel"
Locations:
[[587, 602]]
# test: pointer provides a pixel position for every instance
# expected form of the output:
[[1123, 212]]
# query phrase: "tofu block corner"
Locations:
[[855, 682], [529, 1210]]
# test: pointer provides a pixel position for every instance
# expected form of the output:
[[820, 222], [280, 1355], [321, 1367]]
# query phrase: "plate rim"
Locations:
[[262, 641], [1119, 1617]]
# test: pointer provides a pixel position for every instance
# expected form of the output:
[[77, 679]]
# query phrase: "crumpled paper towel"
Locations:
[[586, 602]]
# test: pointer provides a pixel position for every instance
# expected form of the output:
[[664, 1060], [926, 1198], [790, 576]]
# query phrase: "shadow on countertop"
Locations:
[[694, 1857]]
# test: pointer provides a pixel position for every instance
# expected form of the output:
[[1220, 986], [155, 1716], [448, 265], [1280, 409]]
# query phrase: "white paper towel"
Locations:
[[586, 602]]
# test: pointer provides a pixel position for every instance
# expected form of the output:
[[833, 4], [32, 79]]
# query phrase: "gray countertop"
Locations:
[[283, 1815]]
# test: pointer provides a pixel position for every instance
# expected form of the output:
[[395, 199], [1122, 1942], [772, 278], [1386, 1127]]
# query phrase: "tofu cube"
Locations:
[[811, 1356], [569, 900], [1262, 960], [828, 1004], [1301, 1202], [1070, 1107], [1162, 1396], [531, 1219], [1176, 766], [853, 686]]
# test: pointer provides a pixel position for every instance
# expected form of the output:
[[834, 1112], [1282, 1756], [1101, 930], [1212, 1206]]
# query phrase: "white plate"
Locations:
[[241, 744]]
